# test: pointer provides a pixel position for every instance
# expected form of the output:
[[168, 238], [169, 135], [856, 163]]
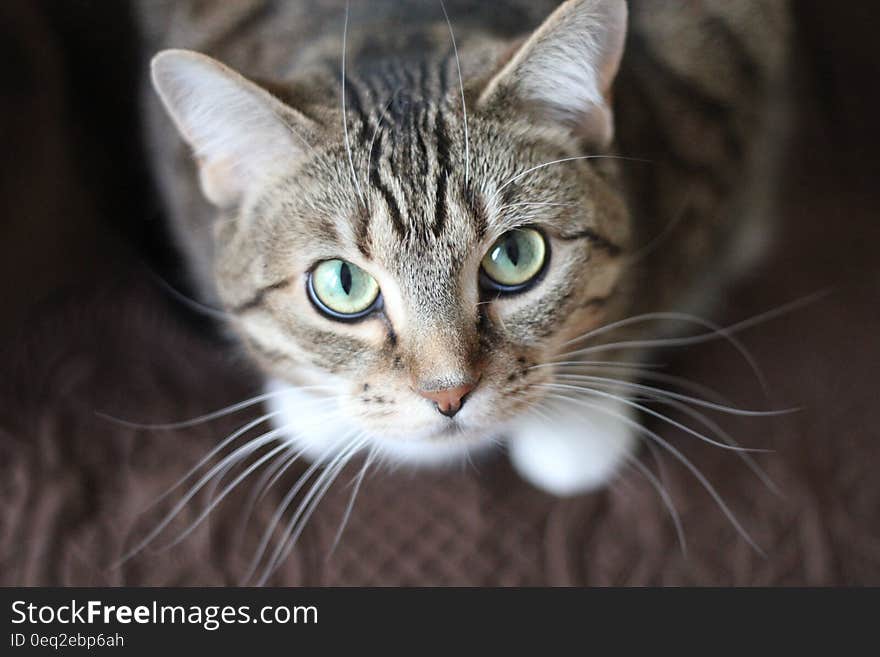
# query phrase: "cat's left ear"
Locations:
[[564, 71], [238, 131]]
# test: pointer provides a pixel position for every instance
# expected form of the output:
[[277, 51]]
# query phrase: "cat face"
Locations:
[[394, 306], [423, 255]]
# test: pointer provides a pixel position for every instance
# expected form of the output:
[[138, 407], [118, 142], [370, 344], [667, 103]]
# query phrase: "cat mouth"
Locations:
[[455, 430], [441, 445], [452, 428]]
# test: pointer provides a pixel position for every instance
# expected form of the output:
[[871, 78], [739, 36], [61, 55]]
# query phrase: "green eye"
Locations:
[[515, 259], [342, 290]]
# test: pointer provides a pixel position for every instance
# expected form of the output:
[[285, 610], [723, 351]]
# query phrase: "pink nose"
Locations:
[[448, 401]]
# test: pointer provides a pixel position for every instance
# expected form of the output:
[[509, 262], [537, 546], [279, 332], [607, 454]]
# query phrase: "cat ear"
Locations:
[[564, 71], [238, 131]]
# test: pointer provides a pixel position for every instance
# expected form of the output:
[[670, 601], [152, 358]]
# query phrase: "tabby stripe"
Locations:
[[440, 209], [362, 231], [715, 109], [509, 194], [442, 175], [355, 103], [597, 239], [409, 76], [423, 147], [271, 354], [479, 212], [680, 86], [390, 201], [597, 301], [388, 77], [239, 24], [670, 155], [376, 90], [449, 74], [258, 298], [425, 73], [748, 67]]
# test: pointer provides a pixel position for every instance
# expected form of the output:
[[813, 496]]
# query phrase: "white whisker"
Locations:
[[756, 469], [228, 410], [318, 403], [197, 306], [293, 458], [661, 489], [282, 507], [665, 497], [229, 488], [613, 364], [461, 89], [717, 330], [685, 384], [304, 511], [652, 412], [722, 332], [226, 441], [536, 204], [570, 370], [354, 177], [376, 134], [242, 452], [708, 422], [681, 458], [560, 161], [657, 456], [371, 455], [655, 243], [263, 485], [686, 398]]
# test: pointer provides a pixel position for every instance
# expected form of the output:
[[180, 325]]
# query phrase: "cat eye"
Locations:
[[514, 261], [342, 290]]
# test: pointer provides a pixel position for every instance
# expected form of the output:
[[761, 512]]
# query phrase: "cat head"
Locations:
[[424, 237]]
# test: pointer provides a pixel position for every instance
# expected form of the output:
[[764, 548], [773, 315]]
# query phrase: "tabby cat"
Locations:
[[437, 228]]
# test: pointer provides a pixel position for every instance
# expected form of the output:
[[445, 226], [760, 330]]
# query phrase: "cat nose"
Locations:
[[449, 400]]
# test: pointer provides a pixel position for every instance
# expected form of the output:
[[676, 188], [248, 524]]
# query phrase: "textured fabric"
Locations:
[[74, 482], [76, 487]]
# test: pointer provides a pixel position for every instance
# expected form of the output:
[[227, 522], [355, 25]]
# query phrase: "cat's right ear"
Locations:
[[563, 73], [238, 131]]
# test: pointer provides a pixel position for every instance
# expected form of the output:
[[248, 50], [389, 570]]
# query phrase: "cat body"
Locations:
[[626, 148]]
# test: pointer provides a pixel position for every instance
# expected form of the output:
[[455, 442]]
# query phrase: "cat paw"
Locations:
[[578, 451]]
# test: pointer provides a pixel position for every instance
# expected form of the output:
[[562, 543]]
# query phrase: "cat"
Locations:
[[440, 227]]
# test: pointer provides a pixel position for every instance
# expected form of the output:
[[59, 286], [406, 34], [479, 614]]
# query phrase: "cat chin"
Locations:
[[429, 453], [310, 428], [576, 451]]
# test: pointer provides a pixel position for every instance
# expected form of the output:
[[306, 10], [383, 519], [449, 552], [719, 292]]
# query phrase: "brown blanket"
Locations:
[[88, 331]]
